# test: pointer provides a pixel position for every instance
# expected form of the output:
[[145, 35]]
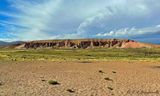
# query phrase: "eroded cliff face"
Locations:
[[84, 43]]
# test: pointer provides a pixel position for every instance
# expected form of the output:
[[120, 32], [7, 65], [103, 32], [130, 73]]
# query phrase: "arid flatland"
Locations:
[[30, 78], [80, 72]]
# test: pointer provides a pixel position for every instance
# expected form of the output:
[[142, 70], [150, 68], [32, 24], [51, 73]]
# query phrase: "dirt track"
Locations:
[[84, 79]]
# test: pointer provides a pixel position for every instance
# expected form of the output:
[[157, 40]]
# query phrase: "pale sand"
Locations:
[[31, 78]]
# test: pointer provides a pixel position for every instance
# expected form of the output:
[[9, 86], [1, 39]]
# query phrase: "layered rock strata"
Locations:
[[86, 43]]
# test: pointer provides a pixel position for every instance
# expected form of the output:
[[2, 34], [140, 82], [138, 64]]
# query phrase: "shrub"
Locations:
[[85, 62], [70, 90], [108, 79], [52, 82]]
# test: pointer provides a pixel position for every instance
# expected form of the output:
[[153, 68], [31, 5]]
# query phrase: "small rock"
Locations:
[[1, 83], [114, 72], [43, 80], [41, 76], [70, 90], [100, 71]]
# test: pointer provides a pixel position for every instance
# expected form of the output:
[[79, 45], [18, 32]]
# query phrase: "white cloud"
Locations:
[[158, 26], [33, 17], [12, 15], [121, 17], [131, 32], [94, 20]]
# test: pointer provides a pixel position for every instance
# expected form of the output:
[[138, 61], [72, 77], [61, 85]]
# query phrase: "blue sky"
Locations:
[[72, 19]]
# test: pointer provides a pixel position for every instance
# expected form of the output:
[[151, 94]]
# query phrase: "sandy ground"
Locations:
[[84, 79]]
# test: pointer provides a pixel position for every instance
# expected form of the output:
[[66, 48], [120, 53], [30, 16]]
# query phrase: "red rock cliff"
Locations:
[[83, 43]]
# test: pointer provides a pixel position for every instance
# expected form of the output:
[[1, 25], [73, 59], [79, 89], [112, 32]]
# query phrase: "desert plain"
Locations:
[[67, 72]]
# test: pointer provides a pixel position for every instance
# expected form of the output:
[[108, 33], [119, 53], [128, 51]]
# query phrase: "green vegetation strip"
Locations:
[[80, 54]]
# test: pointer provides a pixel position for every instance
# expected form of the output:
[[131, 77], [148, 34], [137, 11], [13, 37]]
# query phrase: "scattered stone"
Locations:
[[112, 94], [40, 66], [114, 72], [70, 90], [1, 83], [110, 88], [100, 71], [41, 76], [43, 80]]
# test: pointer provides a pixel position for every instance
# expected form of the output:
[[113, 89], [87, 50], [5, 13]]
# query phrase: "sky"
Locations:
[[75, 19]]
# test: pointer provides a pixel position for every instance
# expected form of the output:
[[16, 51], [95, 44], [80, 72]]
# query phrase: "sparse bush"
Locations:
[[14, 59], [108, 79], [70, 90], [81, 54], [88, 55], [52, 82], [85, 62]]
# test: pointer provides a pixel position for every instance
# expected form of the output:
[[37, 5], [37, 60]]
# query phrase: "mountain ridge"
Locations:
[[85, 44], [4, 43]]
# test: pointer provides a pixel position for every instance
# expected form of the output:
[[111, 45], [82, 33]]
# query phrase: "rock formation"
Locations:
[[83, 43]]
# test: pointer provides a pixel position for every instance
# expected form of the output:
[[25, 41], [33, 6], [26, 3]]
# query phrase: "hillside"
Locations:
[[3, 43], [86, 43]]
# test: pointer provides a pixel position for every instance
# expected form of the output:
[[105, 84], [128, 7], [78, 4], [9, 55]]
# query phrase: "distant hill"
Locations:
[[3, 43], [85, 43]]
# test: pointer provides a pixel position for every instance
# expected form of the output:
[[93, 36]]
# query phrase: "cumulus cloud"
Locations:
[[32, 18], [123, 19], [131, 32]]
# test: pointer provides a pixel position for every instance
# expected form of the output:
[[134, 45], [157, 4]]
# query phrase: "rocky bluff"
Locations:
[[82, 43]]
